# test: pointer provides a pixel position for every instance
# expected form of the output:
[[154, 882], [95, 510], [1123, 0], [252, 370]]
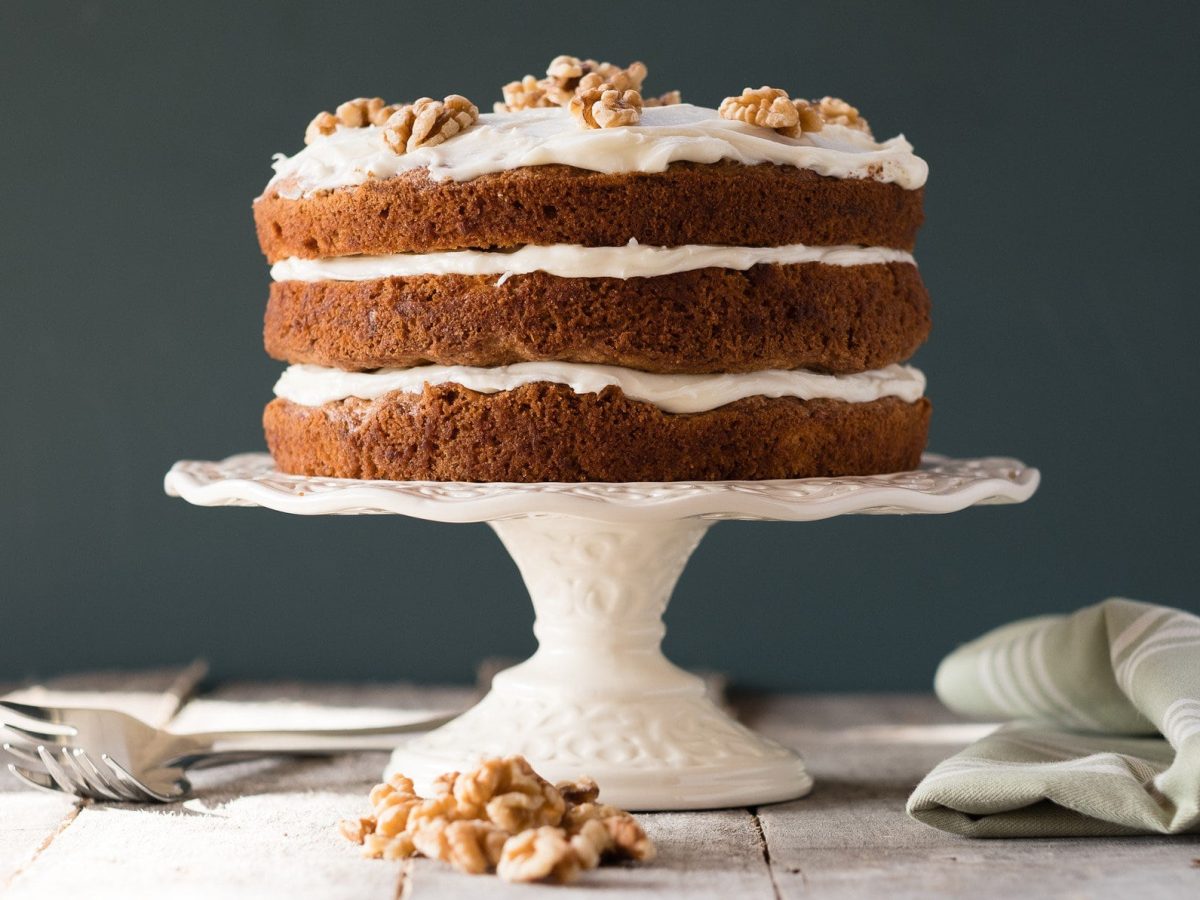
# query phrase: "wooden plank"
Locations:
[[852, 838]]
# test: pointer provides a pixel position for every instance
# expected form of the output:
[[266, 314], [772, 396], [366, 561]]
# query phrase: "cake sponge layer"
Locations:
[[719, 203], [827, 318], [547, 432]]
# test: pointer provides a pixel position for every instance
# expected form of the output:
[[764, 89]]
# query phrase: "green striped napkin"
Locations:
[[1106, 732]]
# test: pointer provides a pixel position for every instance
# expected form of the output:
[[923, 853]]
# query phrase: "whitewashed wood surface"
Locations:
[[266, 829]]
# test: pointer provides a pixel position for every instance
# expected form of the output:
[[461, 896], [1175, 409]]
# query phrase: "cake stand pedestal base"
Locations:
[[598, 697]]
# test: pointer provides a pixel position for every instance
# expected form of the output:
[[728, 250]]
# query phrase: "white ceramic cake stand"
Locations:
[[600, 560]]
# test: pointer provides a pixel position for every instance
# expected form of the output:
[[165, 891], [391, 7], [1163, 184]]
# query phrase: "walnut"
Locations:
[[379, 846], [397, 784], [356, 830], [540, 854], [324, 123], [473, 846], [768, 107], [528, 93], [360, 112], [629, 79], [836, 111], [590, 843], [428, 122], [394, 819], [508, 793], [670, 98], [443, 806], [582, 790], [566, 71], [626, 839], [606, 107], [444, 783], [577, 814], [808, 120]]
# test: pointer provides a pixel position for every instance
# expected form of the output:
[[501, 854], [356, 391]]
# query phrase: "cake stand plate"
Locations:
[[600, 560]]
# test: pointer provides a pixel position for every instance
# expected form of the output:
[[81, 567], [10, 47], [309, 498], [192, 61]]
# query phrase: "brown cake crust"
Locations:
[[546, 432], [814, 316], [721, 203]]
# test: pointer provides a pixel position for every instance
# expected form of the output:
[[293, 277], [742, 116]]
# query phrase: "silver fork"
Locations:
[[110, 755]]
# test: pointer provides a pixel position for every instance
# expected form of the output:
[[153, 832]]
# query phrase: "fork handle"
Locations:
[[270, 743]]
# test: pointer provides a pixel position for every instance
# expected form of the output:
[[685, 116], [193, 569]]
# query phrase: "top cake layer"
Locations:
[[683, 175]]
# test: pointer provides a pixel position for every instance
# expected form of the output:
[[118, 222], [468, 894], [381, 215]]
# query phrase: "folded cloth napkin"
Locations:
[[1107, 737]]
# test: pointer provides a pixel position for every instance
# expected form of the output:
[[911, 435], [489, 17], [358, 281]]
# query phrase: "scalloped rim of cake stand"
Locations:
[[941, 485]]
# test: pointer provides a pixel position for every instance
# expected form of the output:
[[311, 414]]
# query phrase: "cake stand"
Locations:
[[600, 560]]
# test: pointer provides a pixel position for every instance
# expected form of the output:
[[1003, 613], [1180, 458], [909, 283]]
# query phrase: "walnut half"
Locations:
[[770, 107], [428, 122], [606, 107], [542, 854]]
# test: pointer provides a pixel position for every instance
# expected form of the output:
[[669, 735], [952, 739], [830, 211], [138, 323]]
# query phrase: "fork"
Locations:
[[109, 755]]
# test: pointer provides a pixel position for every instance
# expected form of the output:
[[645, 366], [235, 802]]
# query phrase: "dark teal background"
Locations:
[[1060, 249]]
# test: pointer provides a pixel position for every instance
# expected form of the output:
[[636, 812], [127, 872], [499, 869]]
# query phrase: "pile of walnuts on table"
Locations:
[[500, 817]]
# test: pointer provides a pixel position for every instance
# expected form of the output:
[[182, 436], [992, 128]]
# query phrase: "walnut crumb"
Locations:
[[428, 122], [606, 107], [528, 93]]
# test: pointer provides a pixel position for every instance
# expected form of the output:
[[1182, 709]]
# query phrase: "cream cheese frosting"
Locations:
[[536, 137], [310, 385], [633, 260]]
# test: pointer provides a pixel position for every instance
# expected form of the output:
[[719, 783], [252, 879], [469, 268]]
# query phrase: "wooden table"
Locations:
[[266, 829]]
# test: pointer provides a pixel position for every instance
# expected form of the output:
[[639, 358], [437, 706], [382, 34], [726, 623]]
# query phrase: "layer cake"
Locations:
[[587, 286]]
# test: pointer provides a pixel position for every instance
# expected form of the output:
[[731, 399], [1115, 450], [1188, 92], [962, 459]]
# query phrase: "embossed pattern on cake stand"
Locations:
[[600, 561]]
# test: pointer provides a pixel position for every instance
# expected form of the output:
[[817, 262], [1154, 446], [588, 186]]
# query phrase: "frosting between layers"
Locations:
[[537, 137], [634, 260], [310, 385]]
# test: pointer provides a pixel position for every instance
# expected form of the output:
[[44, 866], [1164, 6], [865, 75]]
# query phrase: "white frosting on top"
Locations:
[[538, 137], [310, 385], [634, 260]]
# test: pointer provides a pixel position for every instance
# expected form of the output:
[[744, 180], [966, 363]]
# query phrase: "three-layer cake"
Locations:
[[590, 288]]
